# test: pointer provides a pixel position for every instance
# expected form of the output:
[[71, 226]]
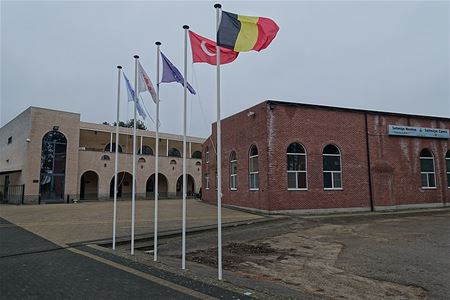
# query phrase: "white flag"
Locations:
[[145, 84]]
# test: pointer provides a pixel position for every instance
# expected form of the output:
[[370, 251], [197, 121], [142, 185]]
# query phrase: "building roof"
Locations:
[[317, 106]]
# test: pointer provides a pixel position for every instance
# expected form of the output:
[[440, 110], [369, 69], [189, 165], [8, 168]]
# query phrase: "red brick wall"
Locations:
[[395, 165], [314, 129], [239, 132]]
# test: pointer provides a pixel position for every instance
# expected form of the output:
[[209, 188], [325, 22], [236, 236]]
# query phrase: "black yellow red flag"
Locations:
[[243, 33]]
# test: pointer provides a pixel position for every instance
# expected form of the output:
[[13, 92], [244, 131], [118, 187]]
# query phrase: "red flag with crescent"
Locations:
[[204, 51]]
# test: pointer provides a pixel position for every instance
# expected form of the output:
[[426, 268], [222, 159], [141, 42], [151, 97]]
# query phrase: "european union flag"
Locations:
[[171, 74]]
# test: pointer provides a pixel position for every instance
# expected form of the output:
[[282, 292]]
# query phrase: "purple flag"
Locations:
[[171, 74]]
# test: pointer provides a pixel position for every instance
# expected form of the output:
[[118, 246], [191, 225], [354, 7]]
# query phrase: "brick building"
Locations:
[[279, 156], [52, 156]]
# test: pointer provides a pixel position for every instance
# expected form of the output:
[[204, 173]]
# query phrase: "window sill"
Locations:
[[254, 190], [333, 189], [428, 188], [233, 190], [297, 189]]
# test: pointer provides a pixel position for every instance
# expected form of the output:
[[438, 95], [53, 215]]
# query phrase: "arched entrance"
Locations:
[[162, 187], [124, 185], [190, 187], [53, 166], [89, 186]]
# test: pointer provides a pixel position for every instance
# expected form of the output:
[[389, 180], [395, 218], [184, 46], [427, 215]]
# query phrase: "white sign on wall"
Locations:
[[419, 131]]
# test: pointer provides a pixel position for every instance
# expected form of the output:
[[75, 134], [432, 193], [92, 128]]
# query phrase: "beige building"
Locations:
[[51, 156]]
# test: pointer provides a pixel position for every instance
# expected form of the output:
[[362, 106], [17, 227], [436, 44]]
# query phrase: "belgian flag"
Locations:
[[243, 33]]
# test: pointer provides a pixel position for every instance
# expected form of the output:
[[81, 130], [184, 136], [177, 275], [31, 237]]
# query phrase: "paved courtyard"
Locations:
[[363, 256], [71, 223]]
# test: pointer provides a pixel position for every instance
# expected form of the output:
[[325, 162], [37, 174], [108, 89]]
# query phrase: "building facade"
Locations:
[[55, 157], [290, 157]]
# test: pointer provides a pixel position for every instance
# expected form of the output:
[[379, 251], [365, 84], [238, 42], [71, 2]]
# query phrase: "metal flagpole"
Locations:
[[183, 251], [116, 158], [219, 154], [133, 192], [155, 245]]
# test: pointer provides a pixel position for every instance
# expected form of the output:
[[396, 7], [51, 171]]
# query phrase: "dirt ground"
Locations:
[[387, 256]]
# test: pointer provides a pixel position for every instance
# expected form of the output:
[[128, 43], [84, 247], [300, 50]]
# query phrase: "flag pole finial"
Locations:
[[158, 43], [185, 26], [119, 67], [217, 5], [136, 56]]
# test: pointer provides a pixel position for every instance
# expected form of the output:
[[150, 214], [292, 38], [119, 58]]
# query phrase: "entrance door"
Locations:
[[53, 166]]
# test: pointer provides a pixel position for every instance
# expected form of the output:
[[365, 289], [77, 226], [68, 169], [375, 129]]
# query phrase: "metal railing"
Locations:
[[12, 194]]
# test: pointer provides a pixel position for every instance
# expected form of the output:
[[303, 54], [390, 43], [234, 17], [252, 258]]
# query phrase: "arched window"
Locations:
[[253, 168], [174, 152], [296, 167], [53, 165], [332, 172], [105, 157], [173, 162], [207, 181], [447, 163], [207, 154], [233, 171], [146, 150], [198, 163], [197, 154], [427, 169], [141, 160], [113, 148]]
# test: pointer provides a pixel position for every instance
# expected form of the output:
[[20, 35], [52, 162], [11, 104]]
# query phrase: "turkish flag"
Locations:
[[204, 51]]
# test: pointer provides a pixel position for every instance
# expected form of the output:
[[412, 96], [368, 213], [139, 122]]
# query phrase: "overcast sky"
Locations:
[[388, 56]]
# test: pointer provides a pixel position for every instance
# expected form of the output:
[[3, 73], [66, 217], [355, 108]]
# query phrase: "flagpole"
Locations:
[[219, 154], [155, 245], [183, 254], [133, 192], [116, 158]]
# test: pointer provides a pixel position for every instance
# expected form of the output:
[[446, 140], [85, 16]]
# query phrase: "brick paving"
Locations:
[[34, 268], [65, 224]]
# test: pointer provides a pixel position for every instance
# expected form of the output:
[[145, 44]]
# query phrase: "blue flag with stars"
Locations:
[[171, 74]]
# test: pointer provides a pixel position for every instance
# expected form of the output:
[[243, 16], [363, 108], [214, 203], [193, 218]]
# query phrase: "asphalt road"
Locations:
[[34, 268]]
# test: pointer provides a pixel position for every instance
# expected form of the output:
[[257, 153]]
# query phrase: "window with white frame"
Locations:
[[332, 171], [216, 183], [296, 167], [207, 181], [253, 168], [427, 169], [233, 171], [207, 154], [447, 164]]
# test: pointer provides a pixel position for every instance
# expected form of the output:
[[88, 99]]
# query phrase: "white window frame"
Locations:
[[253, 173], [333, 188], [233, 176], [428, 187], [298, 171], [207, 181], [447, 158], [207, 155]]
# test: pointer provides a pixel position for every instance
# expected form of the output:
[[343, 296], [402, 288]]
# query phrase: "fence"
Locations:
[[12, 194]]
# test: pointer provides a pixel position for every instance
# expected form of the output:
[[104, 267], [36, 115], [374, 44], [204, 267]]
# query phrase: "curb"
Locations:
[[121, 240]]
